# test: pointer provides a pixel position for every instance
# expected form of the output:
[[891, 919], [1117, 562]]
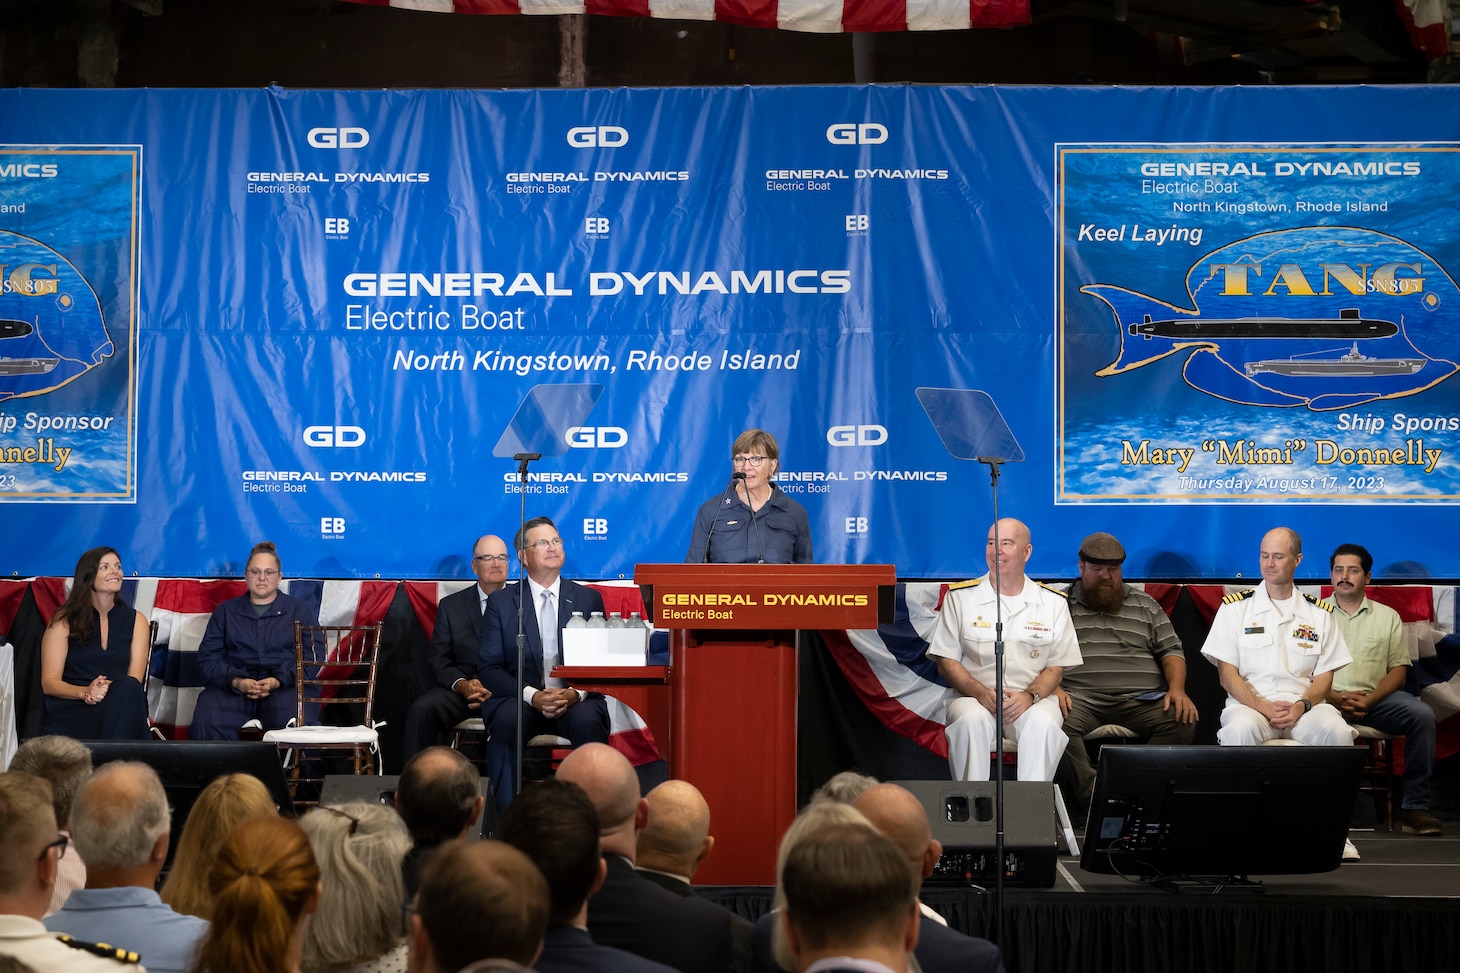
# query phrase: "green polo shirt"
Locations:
[[1376, 643]]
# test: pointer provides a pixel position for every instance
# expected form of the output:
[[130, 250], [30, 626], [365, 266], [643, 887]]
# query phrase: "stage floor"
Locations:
[[1391, 864]]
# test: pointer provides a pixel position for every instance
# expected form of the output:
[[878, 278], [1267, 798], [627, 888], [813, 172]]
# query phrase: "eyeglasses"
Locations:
[[354, 821], [60, 843], [543, 545], [749, 460], [490, 557], [261, 573]]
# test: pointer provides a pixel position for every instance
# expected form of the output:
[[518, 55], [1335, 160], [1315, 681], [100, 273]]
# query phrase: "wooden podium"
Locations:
[[733, 685]]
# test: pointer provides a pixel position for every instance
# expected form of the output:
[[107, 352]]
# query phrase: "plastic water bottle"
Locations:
[[596, 620], [635, 621], [615, 620], [577, 621]]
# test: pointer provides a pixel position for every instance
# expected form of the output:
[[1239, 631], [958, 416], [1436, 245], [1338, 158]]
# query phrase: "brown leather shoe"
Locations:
[[1418, 820]]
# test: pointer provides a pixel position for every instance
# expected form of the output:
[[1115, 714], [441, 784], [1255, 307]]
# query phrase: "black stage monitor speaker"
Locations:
[[349, 788], [962, 816]]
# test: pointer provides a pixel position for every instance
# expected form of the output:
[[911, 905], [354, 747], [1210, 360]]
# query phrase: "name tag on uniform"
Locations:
[[1253, 630]]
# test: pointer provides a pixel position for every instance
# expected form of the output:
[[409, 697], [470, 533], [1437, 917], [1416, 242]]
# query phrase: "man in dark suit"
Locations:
[[674, 844], [900, 816], [630, 912], [455, 651], [555, 824], [850, 903], [547, 705]]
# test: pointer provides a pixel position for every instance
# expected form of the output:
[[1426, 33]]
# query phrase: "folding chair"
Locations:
[[152, 727], [333, 664]]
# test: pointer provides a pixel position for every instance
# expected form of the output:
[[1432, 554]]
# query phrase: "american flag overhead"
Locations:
[[812, 16]]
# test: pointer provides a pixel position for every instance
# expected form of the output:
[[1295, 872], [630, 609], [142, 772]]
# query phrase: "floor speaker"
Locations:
[[379, 789], [962, 816]]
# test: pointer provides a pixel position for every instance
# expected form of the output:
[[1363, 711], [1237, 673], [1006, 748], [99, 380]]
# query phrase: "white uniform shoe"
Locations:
[[1350, 853]]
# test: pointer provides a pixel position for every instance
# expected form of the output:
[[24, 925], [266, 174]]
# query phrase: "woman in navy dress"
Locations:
[[93, 657]]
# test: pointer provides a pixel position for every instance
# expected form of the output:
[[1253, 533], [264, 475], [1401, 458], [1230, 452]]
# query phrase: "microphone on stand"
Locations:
[[759, 542], [737, 475]]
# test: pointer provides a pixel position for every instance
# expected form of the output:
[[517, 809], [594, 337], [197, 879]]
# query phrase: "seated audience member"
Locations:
[[769, 950], [850, 903], [93, 657], [482, 906], [1040, 646], [900, 816], [247, 655], [122, 825], [66, 763], [844, 788], [1369, 691], [27, 874], [555, 824], [438, 797], [265, 886], [357, 929], [223, 805], [1133, 668], [1275, 652], [630, 912], [674, 844], [455, 648]]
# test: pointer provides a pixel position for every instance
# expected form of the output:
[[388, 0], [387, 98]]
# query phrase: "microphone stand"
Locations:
[[993, 463], [710, 534], [522, 460]]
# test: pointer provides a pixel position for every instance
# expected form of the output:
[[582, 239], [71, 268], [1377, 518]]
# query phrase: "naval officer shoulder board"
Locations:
[[101, 949]]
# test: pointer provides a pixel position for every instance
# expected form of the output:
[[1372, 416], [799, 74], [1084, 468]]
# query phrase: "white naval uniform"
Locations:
[[28, 941], [1037, 634], [1278, 651]]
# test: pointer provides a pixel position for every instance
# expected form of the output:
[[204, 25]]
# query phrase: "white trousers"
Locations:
[[970, 733], [1322, 726]]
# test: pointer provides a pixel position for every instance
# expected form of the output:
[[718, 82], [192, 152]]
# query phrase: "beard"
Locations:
[[1105, 596]]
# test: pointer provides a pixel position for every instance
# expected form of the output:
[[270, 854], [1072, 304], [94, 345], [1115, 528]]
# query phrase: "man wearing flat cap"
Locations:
[[1134, 673]]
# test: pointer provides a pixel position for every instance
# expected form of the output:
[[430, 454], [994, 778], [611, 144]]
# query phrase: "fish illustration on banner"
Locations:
[[51, 325], [1323, 317]]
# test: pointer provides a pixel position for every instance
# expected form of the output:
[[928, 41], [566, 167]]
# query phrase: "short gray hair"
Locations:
[[844, 788], [120, 814], [65, 762], [359, 848]]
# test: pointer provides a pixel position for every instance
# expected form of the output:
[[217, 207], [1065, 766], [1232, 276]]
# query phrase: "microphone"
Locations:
[[522, 460], [759, 543], [737, 475]]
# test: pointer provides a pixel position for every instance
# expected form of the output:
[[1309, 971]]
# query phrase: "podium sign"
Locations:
[[767, 596], [733, 675]]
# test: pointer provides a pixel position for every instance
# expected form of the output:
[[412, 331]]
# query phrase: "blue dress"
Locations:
[[122, 715]]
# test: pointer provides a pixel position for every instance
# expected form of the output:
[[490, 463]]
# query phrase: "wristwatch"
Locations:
[[1307, 706], [1035, 695]]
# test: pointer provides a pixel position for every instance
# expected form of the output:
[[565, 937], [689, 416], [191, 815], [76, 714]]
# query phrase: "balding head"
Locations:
[[611, 784], [438, 795], [677, 838], [899, 815], [121, 819]]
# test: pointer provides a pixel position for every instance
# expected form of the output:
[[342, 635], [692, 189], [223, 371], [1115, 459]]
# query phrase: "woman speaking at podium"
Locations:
[[752, 522]]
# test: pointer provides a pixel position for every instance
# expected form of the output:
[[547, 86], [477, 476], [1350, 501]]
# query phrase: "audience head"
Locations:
[[900, 816], [359, 848], [848, 893], [844, 788], [65, 762], [223, 805], [555, 824], [478, 900], [27, 832], [1366, 560], [122, 820], [438, 795], [813, 818], [677, 838], [613, 787], [265, 885]]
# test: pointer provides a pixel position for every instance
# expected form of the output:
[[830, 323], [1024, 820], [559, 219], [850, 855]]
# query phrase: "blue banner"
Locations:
[[328, 319]]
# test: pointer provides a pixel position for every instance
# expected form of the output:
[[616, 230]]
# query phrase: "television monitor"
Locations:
[[1220, 812], [187, 766]]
